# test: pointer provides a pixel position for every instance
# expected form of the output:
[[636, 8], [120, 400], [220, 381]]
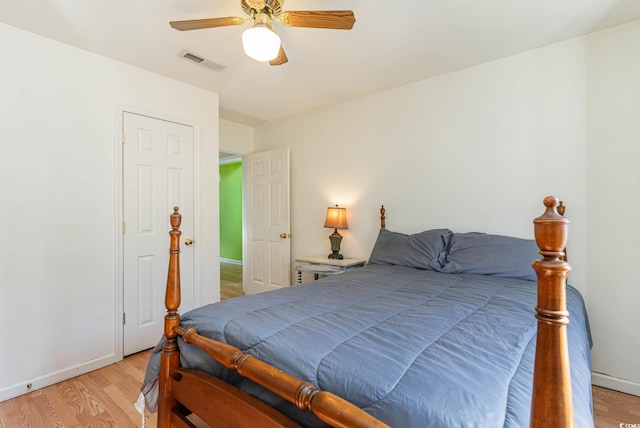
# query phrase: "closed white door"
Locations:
[[158, 175], [267, 249]]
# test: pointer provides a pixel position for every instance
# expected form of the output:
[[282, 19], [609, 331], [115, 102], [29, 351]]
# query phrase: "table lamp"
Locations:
[[336, 219]]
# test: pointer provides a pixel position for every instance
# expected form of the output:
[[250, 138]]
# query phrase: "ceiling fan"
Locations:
[[261, 42]]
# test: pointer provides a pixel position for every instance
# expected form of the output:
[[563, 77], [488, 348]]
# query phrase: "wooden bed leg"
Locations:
[[551, 401], [170, 357]]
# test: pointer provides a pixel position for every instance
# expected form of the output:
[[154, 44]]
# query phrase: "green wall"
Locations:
[[231, 211]]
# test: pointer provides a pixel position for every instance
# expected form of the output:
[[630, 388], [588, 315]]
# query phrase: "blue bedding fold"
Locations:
[[414, 348]]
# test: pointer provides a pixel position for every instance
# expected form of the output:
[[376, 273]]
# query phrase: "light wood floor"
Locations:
[[230, 280], [102, 398], [614, 409], [105, 397]]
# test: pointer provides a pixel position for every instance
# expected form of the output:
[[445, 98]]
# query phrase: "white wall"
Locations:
[[613, 171], [469, 150], [235, 137], [478, 150], [59, 286]]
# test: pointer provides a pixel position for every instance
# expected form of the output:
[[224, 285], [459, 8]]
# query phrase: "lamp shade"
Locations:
[[261, 43], [336, 218]]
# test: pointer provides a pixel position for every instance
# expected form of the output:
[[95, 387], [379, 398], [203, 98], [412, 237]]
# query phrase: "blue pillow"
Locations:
[[496, 255], [424, 250]]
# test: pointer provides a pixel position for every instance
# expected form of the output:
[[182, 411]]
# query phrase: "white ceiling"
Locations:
[[392, 43]]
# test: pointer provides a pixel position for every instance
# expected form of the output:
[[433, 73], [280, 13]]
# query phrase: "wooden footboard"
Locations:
[[182, 391]]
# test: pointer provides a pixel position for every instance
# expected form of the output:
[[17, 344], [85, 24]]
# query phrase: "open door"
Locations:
[[267, 252]]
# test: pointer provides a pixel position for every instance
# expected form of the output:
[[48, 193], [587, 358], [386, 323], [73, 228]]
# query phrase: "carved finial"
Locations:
[[382, 217], [551, 230], [176, 218], [551, 202], [561, 209]]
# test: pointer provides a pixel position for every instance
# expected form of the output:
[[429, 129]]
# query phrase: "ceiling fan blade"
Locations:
[[280, 59], [332, 19], [198, 24]]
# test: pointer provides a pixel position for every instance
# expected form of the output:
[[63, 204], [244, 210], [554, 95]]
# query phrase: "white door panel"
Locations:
[[266, 186], [158, 175]]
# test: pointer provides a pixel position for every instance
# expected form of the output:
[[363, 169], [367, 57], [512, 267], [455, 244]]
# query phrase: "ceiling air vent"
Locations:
[[192, 57], [202, 61]]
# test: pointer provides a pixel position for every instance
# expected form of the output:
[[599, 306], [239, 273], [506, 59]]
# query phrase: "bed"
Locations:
[[437, 330]]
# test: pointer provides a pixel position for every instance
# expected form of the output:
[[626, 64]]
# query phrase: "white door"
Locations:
[[158, 175], [267, 250]]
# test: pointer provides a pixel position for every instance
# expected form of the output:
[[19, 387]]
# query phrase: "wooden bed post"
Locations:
[[170, 357], [551, 401]]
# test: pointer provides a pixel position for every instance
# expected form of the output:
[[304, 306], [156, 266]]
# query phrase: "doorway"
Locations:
[[264, 194], [231, 226]]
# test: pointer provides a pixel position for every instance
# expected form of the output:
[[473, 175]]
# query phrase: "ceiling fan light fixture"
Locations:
[[261, 43]]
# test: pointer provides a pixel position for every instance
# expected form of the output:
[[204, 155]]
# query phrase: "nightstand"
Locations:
[[322, 265]]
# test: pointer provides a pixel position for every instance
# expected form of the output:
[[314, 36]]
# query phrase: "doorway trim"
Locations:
[[119, 110]]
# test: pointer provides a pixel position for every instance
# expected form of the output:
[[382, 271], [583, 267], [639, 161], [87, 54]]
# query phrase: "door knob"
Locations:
[[188, 242], [284, 235]]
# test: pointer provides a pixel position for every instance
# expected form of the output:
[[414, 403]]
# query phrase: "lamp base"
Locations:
[[335, 239]]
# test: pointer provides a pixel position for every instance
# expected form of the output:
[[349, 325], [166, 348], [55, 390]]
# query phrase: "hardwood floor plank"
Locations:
[[108, 375], [43, 406], [613, 408], [27, 411], [66, 412], [72, 400], [76, 395], [12, 414], [122, 399]]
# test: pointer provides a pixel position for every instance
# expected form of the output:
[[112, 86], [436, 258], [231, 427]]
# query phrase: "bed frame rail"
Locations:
[[221, 405], [328, 407]]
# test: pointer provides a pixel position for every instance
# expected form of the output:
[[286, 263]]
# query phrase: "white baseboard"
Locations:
[[615, 383], [231, 261], [55, 377]]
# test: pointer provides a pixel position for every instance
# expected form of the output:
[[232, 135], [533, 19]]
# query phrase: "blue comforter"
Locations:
[[414, 348]]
